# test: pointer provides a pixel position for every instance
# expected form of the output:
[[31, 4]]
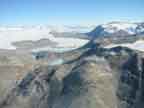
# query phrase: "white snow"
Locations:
[[79, 29], [138, 45], [68, 42], [116, 26], [8, 35], [63, 44], [56, 62]]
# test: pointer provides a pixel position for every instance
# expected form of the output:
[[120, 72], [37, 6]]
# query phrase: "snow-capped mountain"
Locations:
[[117, 29]]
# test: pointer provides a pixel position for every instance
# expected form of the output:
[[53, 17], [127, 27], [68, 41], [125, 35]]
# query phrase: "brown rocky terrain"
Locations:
[[89, 77]]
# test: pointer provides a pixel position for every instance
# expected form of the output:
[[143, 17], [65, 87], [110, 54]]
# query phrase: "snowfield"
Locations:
[[7, 37], [138, 45], [10, 35], [64, 44]]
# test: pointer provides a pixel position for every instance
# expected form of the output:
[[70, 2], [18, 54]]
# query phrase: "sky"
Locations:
[[69, 12]]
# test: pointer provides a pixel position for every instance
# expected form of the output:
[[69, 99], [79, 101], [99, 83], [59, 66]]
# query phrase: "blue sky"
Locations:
[[68, 12]]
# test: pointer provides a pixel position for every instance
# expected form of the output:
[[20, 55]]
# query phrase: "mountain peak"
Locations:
[[118, 29]]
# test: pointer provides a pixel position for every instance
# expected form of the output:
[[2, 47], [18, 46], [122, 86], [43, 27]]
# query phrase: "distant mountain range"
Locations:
[[117, 29]]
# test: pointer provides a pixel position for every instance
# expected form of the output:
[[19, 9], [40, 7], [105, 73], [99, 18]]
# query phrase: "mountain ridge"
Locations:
[[117, 29]]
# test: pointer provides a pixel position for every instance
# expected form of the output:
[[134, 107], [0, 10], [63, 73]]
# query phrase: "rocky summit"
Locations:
[[88, 77]]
